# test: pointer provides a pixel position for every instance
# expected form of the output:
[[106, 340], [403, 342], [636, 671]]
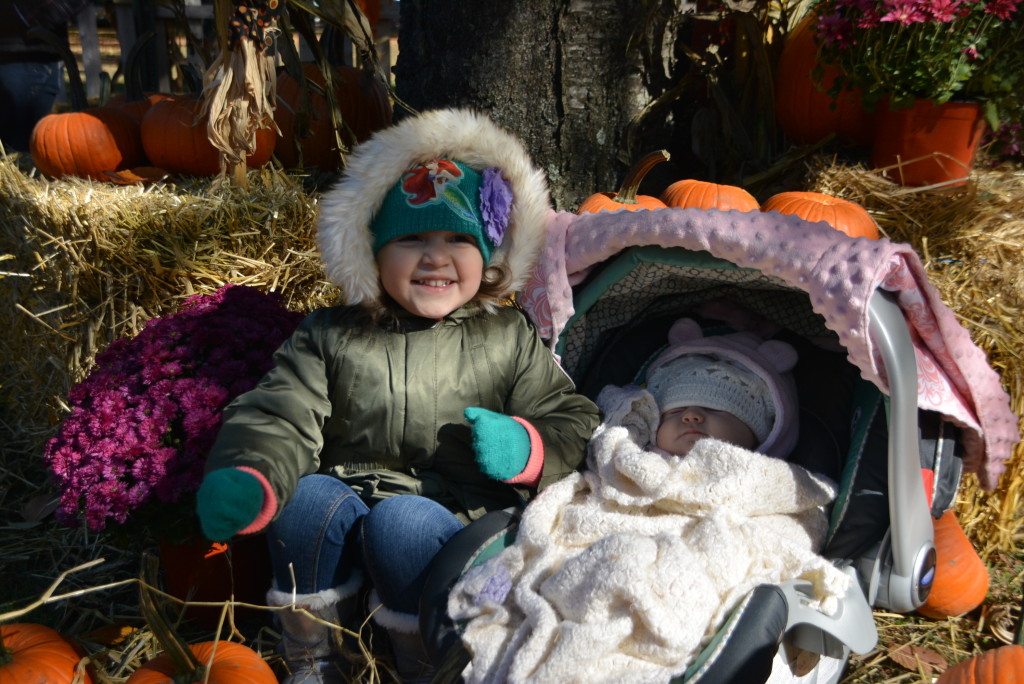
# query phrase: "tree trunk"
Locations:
[[562, 75]]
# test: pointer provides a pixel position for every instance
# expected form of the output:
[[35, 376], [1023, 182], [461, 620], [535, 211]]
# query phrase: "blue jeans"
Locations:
[[27, 93], [326, 531]]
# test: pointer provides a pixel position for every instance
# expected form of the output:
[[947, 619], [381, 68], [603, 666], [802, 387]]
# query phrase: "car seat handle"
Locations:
[[907, 581]]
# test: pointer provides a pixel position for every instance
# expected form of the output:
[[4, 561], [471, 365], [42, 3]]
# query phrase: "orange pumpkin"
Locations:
[[806, 114], [36, 653], [626, 197], [220, 662], [697, 194], [370, 8], [231, 664], [843, 215], [175, 138], [86, 143], [961, 578], [362, 102], [1003, 665]]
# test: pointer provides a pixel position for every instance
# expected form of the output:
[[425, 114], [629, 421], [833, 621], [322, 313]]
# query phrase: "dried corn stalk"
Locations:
[[240, 87]]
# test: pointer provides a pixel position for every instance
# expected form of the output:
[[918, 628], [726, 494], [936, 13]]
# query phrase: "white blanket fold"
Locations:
[[623, 572]]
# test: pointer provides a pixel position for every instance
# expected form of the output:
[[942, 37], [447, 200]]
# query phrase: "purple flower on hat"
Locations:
[[495, 204]]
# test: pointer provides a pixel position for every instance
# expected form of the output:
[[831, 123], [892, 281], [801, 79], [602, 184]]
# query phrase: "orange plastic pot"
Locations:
[[804, 113], [927, 144]]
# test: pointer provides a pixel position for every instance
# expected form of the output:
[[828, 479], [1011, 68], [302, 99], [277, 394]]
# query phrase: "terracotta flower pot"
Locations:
[[927, 144], [193, 572]]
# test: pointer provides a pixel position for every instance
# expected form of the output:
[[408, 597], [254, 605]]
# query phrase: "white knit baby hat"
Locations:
[[724, 370], [716, 383]]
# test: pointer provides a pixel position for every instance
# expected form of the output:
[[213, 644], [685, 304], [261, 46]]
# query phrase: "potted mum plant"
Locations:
[[936, 70], [132, 450]]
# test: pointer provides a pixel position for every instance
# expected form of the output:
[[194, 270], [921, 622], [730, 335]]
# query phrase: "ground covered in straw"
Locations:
[[83, 263]]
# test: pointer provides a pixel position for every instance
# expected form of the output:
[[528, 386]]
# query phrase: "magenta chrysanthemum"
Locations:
[[144, 419], [901, 51]]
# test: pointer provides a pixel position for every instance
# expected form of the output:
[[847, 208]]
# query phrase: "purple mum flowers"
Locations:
[[143, 421]]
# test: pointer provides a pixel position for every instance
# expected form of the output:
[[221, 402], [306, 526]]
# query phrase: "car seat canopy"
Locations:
[[837, 275]]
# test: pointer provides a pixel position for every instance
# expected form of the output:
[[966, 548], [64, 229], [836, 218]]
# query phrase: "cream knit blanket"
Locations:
[[623, 572]]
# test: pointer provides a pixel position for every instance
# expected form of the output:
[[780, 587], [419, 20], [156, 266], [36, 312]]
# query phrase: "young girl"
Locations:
[[389, 423]]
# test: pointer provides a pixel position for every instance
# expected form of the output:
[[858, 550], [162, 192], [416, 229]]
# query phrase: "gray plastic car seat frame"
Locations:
[[896, 574]]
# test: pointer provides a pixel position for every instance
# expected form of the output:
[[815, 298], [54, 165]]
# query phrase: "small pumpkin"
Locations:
[[175, 138], [36, 653], [1003, 665], [806, 114], [961, 578], [843, 215], [87, 141], [232, 662], [627, 197], [363, 106], [697, 194], [218, 662]]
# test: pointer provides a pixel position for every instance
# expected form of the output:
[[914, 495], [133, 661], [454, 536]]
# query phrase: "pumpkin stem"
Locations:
[[76, 90], [630, 186], [187, 667]]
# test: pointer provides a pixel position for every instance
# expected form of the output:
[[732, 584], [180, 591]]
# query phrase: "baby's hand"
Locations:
[[501, 443], [228, 501]]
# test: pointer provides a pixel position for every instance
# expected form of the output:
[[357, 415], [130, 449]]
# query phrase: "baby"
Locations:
[[735, 388], [624, 571]]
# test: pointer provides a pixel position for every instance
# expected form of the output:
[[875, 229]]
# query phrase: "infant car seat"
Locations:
[[894, 463]]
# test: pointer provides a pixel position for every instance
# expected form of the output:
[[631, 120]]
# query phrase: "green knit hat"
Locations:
[[445, 195]]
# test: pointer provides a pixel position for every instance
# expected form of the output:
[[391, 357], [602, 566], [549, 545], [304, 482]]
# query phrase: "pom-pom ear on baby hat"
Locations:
[[780, 355], [684, 330]]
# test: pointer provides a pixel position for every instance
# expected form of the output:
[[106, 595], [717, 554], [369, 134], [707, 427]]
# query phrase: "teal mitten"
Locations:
[[228, 500], [502, 445]]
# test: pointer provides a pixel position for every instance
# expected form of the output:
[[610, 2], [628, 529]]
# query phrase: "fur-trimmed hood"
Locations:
[[376, 165]]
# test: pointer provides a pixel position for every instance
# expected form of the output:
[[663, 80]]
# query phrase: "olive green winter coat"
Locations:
[[382, 409]]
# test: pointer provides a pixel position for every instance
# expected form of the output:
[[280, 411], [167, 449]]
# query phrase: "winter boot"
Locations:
[[311, 648], [411, 660]]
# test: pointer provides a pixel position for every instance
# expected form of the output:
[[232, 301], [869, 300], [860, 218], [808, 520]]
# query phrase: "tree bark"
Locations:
[[562, 75]]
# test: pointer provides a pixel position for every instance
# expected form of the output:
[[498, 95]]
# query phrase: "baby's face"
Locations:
[[682, 427]]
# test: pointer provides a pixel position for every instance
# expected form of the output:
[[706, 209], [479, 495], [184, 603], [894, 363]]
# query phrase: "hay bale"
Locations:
[[85, 263], [971, 241]]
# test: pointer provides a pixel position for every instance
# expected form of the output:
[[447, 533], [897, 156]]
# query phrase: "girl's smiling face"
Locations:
[[681, 428], [431, 274]]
